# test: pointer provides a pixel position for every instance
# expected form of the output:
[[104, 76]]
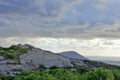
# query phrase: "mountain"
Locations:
[[27, 57], [73, 55], [35, 56], [17, 58]]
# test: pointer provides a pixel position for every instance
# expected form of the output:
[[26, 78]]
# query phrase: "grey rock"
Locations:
[[33, 58], [9, 68], [1, 58], [73, 55]]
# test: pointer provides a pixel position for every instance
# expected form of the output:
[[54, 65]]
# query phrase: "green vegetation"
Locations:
[[12, 52], [65, 74], [6, 78], [98, 74], [97, 64], [116, 73], [42, 67], [109, 72], [53, 67], [82, 70]]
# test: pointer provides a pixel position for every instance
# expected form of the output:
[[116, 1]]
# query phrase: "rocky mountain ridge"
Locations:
[[26, 57]]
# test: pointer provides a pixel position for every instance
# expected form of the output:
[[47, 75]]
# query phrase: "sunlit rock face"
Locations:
[[34, 57], [31, 60]]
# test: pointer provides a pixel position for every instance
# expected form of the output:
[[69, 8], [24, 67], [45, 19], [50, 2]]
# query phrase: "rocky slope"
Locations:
[[31, 59], [73, 55], [26, 57]]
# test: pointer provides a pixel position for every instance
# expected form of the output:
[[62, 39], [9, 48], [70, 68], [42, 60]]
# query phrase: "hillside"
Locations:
[[73, 55], [19, 58]]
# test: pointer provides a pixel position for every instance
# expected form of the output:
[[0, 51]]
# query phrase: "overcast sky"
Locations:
[[90, 27]]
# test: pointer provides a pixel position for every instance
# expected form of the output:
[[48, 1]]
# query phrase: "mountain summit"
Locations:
[[73, 55]]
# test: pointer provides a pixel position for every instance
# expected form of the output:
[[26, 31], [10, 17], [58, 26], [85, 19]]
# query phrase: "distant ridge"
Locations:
[[73, 55]]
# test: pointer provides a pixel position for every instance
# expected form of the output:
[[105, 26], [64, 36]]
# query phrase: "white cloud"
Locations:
[[91, 47], [102, 4]]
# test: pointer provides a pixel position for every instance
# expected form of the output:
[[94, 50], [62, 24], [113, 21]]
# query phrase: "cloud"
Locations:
[[56, 18], [2, 2], [42, 8], [87, 47], [103, 30], [102, 4], [98, 30], [90, 27]]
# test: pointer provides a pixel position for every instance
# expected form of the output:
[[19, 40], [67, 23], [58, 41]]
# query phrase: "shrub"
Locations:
[[28, 75], [13, 47], [46, 76], [41, 66], [12, 52], [7, 54], [82, 70], [23, 50], [10, 55], [98, 74], [116, 73], [62, 74], [53, 67], [6, 78]]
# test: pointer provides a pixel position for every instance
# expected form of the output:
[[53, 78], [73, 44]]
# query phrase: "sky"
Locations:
[[89, 27]]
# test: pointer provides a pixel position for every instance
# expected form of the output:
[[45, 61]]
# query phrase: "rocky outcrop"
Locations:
[[32, 59], [10, 67]]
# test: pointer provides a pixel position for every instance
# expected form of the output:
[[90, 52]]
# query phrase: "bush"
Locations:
[[28, 75], [41, 66], [46, 76], [13, 47], [34, 76], [62, 74], [116, 73], [82, 70], [53, 67], [6, 78], [98, 74], [12, 52], [10, 55], [7, 54], [23, 50]]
